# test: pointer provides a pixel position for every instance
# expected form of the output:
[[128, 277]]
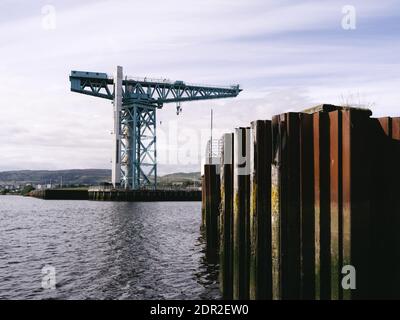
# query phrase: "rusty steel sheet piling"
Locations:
[[395, 200], [293, 223], [226, 218], [395, 130], [352, 146], [289, 206], [276, 128], [335, 119], [211, 174], [241, 214], [356, 199], [203, 202], [307, 215], [314, 195], [260, 211], [322, 205], [385, 217]]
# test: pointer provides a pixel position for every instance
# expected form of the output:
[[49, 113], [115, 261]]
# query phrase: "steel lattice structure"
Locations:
[[135, 103]]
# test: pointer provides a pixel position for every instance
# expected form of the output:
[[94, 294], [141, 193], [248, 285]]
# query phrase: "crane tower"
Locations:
[[135, 101]]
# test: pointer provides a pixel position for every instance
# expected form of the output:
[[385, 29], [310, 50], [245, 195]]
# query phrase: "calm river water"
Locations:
[[103, 250]]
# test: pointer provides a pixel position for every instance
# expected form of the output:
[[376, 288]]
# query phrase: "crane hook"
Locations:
[[178, 108]]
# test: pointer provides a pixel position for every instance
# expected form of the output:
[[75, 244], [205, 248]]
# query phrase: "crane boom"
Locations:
[[147, 90]]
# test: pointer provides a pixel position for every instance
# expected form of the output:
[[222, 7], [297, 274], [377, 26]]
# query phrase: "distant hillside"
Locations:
[[75, 176], [80, 176], [180, 177]]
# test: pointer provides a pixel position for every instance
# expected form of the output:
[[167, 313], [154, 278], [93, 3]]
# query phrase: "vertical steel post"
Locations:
[[293, 242], [358, 149], [395, 178], [226, 217], [275, 210], [211, 174], [336, 201], [289, 207], [204, 180], [241, 212], [307, 214], [260, 211], [322, 205]]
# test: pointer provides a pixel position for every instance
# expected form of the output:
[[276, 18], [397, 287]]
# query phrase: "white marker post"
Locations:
[[116, 161]]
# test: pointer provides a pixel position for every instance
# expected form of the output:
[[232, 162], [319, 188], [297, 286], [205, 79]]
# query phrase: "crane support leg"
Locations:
[[138, 146]]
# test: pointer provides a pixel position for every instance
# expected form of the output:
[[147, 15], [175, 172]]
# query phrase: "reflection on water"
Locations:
[[103, 250]]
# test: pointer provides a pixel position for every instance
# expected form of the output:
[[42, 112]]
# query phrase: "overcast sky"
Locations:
[[286, 55]]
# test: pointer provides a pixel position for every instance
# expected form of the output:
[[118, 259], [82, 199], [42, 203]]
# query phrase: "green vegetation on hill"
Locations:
[[181, 176], [26, 190], [68, 177], [85, 177]]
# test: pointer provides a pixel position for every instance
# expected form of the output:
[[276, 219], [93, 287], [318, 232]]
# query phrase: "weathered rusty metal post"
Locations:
[[307, 215], [352, 147], [212, 184], [385, 217], [226, 218], [293, 224], [322, 205], [203, 201], [241, 212], [275, 208], [336, 195], [260, 211], [357, 149], [288, 218]]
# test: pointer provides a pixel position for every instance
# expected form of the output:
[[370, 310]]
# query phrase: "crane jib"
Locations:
[[101, 85]]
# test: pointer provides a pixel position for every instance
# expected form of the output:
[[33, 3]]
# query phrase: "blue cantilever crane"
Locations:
[[134, 162]]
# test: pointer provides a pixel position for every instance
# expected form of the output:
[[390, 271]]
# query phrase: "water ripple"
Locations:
[[103, 250]]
